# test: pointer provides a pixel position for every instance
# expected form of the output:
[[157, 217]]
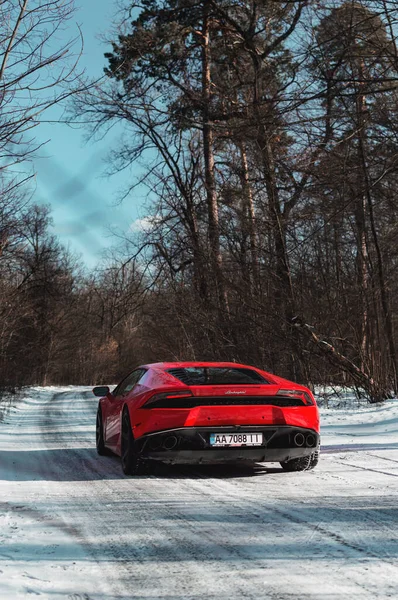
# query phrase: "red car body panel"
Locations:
[[157, 380]]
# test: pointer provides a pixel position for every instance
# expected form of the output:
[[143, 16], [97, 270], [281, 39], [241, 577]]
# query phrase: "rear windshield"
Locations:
[[217, 376]]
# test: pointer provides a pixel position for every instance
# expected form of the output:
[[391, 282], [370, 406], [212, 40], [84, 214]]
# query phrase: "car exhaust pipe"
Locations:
[[299, 439], [170, 442], [311, 441]]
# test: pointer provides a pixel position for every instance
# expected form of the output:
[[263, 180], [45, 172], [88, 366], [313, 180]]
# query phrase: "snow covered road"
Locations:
[[72, 526]]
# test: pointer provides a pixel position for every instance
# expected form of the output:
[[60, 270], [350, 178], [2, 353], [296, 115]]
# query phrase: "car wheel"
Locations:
[[99, 435], [304, 463], [314, 459], [131, 463]]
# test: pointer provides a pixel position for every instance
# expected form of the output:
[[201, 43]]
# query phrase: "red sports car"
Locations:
[[204, 412]]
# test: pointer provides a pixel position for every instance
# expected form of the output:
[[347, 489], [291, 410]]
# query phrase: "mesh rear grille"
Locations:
[[194, 401], [181, 374], [217, 376]]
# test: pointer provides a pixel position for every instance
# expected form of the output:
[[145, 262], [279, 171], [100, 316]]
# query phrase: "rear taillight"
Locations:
[[166, 396], [304, 396]]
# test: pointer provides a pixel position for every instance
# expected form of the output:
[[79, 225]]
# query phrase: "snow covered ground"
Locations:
[[72, 527]]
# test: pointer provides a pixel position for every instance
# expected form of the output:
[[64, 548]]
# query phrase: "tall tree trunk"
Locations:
[[362, 246], [208, 152], [284, 293], [367, 199], [389, 328], [249, 202], [200, 279]]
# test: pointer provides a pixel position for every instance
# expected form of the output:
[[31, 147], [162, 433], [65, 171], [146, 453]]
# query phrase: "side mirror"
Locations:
[[101, 390]]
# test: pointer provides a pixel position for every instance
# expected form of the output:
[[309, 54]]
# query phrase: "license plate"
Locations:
[[236, 439]]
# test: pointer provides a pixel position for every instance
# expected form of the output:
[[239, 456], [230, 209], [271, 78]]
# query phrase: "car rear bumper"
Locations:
[[191, 445]]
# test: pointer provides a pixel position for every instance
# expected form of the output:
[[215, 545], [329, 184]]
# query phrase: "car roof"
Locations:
[[273, 379], [184, 365]]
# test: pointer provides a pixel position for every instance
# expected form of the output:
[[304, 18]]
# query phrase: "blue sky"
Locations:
[[83, 200]]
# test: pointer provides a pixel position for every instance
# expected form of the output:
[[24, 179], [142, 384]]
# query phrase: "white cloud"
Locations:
[[146, 224]]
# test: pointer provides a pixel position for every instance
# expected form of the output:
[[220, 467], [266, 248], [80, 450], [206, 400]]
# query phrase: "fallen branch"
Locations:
[[361, 378]]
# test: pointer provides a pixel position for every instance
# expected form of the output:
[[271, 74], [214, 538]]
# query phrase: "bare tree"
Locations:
[[37, 72]]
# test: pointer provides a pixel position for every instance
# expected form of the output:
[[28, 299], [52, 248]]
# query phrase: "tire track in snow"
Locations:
[[349, 545], [183, 545], [178, 547], [27, 468], [258, 508], [191, 536], [78, 461], [371, 470], [290, 516], [382, 457]]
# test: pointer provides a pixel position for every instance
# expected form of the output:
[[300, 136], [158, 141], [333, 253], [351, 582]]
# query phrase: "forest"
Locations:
[[266, 134]]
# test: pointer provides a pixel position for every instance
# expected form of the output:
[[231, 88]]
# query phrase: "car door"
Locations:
[[112, 427]]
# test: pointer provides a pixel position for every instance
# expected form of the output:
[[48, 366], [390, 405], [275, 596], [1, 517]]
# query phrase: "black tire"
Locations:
[[304, 463], [131, 463], [99, 435], [314, 459]]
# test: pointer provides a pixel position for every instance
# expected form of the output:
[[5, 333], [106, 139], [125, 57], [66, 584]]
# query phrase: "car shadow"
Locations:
[[70, 464], [222, 471], [84, 464]]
